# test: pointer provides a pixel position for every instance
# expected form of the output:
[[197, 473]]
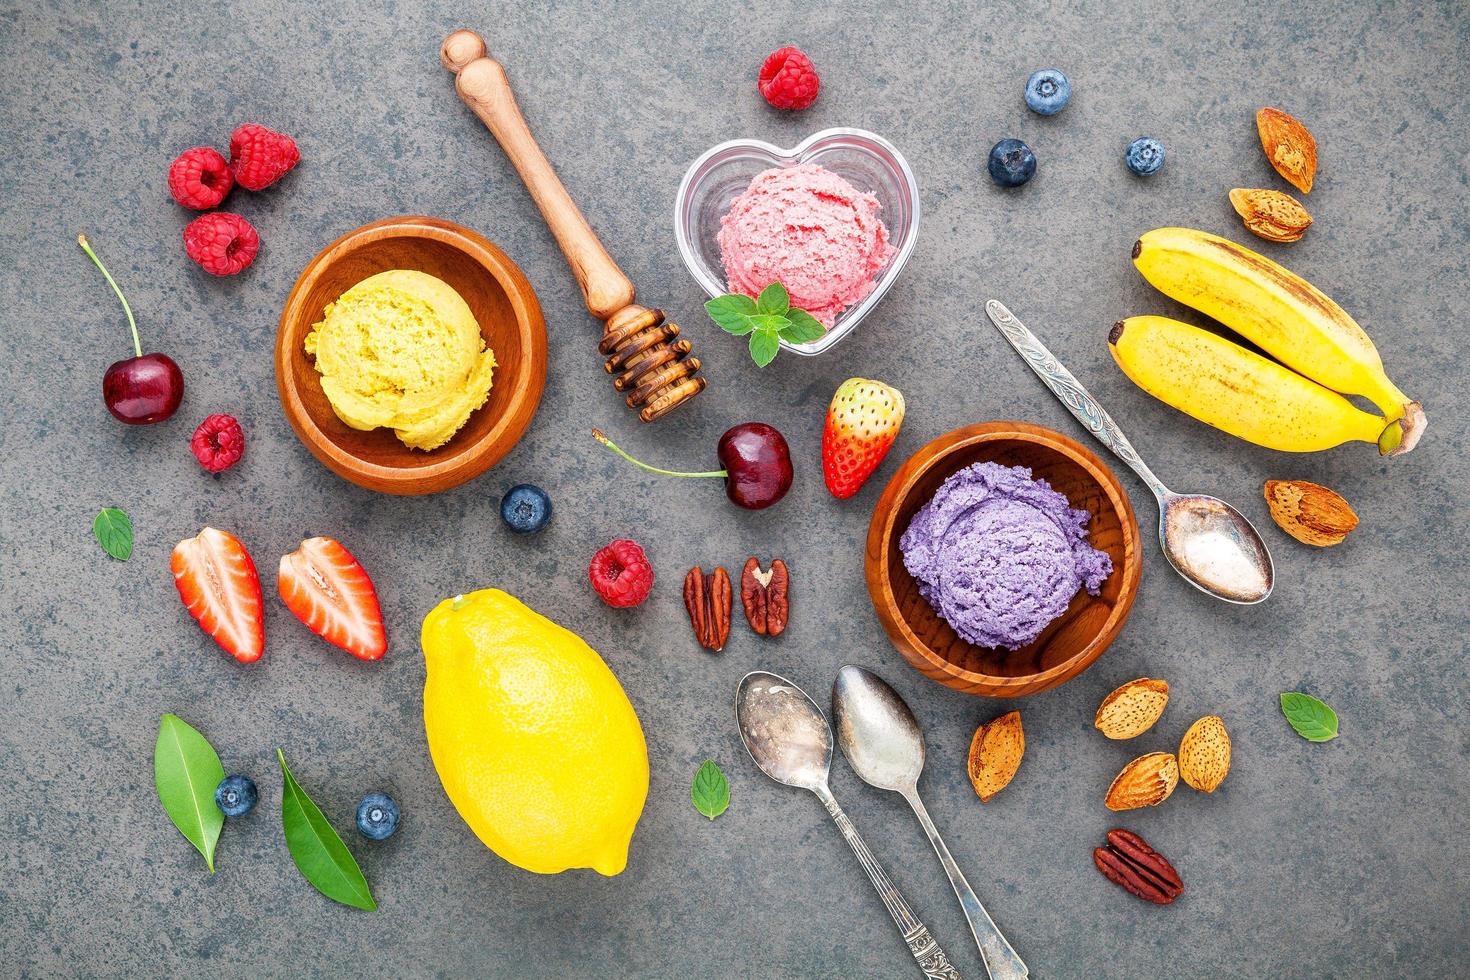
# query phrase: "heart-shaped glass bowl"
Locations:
[[866, 160]]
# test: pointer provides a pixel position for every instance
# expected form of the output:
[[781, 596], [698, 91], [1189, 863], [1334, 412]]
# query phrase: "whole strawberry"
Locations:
[[862, 422], [260, 157]]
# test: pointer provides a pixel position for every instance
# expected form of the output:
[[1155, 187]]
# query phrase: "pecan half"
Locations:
[[1137, 868], [766, 596], [708, 599]]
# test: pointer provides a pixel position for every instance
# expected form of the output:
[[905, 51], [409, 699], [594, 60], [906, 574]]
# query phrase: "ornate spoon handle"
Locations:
[[931, 959], [1069, 392], [1001, 961]]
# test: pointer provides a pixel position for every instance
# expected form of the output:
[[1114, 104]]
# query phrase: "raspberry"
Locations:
[[222, 243], [621, 574], [200, 178], [788, 80], [218, 443], [260, 157]]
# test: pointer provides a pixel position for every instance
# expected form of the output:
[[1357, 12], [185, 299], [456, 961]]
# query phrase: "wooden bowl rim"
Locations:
[[882, 539], [433, 474]]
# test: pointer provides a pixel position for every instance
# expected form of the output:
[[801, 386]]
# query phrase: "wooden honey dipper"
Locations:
[[651, 364]]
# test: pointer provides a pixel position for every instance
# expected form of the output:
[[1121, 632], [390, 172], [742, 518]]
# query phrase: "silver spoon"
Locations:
[[883, 743], [1207, 541], [788, 738]]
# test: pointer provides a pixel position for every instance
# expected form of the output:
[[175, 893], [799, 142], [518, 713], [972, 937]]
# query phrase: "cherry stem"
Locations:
[[597, 434], [132, 324]]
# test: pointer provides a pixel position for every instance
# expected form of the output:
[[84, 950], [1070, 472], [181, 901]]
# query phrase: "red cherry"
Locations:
[[145, 388], [757, 464], [142, 390]]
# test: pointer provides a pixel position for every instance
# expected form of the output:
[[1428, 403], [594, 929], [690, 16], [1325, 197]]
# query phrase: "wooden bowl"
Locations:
[[505, 306], [1065, 648]]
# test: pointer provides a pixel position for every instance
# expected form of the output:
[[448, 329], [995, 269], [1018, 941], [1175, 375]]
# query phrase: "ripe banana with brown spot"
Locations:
[[1238, 391], [1281, 313]]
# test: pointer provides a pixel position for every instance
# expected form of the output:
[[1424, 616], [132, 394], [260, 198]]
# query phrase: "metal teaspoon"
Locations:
[[787, 737], [1207, 541], [884, 745]]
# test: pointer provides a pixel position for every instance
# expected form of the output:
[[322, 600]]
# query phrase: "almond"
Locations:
[[1289, 147], [1310, 513], [1132, 709], [1204, 754], [995, 754], [1271, 215], [1146, 781]]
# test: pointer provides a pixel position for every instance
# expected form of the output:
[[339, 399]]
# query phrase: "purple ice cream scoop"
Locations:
[[1000, 555]]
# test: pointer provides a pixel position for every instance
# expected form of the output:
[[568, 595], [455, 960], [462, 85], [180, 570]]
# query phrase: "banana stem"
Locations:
[[597, 434], [132, 324]]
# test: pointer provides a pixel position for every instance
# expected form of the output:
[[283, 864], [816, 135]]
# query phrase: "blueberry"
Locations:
[[377, 816], [1011, 163], [525, 509], [1048, 91], [235, 796], [1145, 156]]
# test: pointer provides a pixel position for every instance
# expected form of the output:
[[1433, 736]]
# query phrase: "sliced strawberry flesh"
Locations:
[[217, 581], [325, 587]]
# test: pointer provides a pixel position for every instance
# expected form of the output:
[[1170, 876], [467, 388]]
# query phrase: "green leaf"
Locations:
[[802, 328], [711, 791], [773, 322], [114, 532], [1312, 719], [764, 344], [319, 853], [773, 299], [732, 312], [186, 771]]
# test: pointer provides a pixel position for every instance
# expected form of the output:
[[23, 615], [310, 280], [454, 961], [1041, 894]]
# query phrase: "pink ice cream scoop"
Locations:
[[810, 230]]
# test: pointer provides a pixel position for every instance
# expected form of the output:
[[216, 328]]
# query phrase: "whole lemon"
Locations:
[[533, 738]]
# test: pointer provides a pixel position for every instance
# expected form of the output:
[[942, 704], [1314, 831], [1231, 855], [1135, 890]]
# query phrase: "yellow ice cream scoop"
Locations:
[[402, 350]]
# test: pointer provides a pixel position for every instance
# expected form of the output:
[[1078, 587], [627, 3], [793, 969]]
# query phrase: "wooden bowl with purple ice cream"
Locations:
[[992, 580]]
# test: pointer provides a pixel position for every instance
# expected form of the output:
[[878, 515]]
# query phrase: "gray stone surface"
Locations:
[[1347, 859]]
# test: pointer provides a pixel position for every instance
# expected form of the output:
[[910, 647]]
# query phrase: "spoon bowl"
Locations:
[[784, 731], [878, 733], [1215, 547]]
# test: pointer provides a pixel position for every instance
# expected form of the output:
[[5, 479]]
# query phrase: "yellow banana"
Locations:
[[1239, 391], [1278, 311]]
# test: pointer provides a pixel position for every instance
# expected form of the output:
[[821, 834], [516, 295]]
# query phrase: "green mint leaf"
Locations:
[[764, 345], [186, 771], [802, 328], [732, 312], [319, 853], [1312, 719], [114, 532], [773, 299], [710, 791], [773, 322]]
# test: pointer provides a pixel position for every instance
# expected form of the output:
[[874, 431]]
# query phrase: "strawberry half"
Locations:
[[328, 591], [862, 422], [217, 581]]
